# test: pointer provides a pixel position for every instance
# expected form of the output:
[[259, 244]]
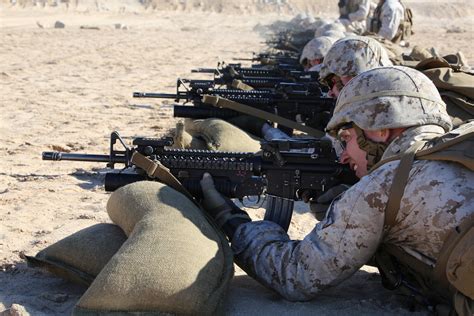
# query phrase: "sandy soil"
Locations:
[[67, 89]]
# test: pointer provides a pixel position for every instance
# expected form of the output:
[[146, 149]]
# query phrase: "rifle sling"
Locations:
[[155, 170], [228, 104], [238, 84]]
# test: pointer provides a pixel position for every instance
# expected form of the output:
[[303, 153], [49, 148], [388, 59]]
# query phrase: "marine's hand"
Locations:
[[319, 210], [321, 205], [225, 213], [332, 193]]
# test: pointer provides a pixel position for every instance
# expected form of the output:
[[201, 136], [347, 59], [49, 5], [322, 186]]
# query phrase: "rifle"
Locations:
[[236, 71], [279, 73], [268, 82], [193, 90], [292, 41], [282, 171], [271, 61], [266, 59], [289, 101]]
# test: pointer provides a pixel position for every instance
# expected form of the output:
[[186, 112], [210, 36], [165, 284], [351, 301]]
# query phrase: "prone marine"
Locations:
[[379, 115]]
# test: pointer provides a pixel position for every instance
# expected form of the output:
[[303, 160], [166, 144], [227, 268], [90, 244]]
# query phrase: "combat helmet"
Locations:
[[389, 97], [316, 48], [353, 55], [335, 34], [332, 26]]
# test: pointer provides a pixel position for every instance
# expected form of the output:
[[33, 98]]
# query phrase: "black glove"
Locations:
[[225, 213], [321, 205], [319, 210], [332, 193]]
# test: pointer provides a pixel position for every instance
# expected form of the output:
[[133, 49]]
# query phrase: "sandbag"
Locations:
[[174, 260], [184, 140], [221, 135], [81, 256]]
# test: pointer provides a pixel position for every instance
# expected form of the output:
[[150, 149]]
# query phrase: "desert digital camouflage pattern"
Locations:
[[391, 15], [390, 97], [353, 55], [317, 48], [355, 10], [354, 13], [437, 198]]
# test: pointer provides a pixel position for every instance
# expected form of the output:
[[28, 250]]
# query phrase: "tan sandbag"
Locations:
[[184, 140], [174, 261], [81, 256], [221, 135], [420, 53]]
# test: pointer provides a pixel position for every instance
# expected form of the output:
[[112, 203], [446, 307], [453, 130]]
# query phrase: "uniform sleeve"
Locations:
[[362, 13], [391, 18], [336, 248]]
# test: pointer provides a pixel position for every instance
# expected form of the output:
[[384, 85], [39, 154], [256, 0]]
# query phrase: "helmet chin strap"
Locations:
[[373, 149]]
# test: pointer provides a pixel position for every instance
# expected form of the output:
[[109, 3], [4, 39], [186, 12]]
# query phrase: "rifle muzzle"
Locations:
[[154, 95]]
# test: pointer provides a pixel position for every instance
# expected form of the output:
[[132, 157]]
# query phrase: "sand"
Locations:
[[68, 89]]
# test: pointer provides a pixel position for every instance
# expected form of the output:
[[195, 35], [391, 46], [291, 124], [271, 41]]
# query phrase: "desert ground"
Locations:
[[68, 88]]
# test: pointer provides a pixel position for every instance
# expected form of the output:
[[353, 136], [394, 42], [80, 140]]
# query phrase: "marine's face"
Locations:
[[316, 61], [355, 156], [311, 62], [336, 84], [352, 154]]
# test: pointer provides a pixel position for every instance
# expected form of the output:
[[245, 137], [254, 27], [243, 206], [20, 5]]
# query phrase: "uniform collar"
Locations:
[[410, 136]]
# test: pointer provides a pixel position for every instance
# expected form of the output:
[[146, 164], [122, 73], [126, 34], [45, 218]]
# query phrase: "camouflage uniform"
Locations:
[[388, 16], [438, 196], [354, 14], [353, 55]]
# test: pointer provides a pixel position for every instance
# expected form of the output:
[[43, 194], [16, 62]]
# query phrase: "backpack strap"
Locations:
[[398, 185], [238, 84]]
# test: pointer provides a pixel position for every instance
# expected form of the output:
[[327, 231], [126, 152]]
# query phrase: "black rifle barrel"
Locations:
[[154, 95], [57, 156], [205, 70]]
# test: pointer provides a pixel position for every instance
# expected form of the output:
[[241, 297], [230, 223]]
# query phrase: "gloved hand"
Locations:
[[225, 213], [319, 210], [332, 193], [321, 205], [270, 133]]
